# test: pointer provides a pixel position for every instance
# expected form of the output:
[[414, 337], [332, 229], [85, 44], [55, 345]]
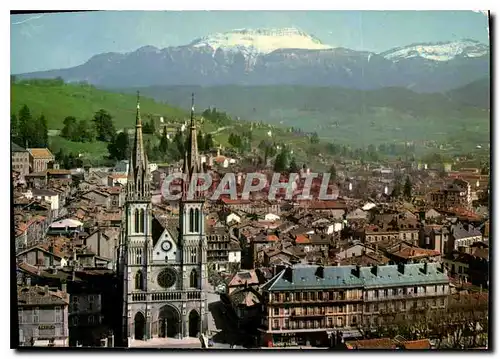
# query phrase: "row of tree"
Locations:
[[101, 129], [27, 130]]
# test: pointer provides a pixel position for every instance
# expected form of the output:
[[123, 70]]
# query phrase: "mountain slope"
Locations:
[[283, 57], [441, 51], [342, 115], [475, 94], [57, 101]]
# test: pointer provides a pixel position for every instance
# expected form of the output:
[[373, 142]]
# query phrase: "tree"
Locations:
[[396, 191], [294, 168], [163, 146], [314, 138], [209, 142], [281, 161], [14, 127], [333, 173], [85, 131], [70, 128], [407, 189], [104, 127], [118, 148], [25, 126], [42, 132], [200, 140]]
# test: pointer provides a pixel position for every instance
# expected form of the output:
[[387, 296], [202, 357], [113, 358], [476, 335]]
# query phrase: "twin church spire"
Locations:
[[138, 181]]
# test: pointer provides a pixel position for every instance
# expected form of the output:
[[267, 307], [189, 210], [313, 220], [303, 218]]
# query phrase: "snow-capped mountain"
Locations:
[[442, 51], [283, 57], [260, 41]]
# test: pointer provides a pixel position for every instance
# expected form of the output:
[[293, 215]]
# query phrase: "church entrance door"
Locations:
[[139, 326], [194, 324], [169, 322]]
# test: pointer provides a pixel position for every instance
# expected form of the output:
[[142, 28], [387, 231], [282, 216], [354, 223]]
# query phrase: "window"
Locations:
[[415, 290], [138, 280], [197, 220], [193, 255], [57, 331], [21, 336], [375, 307], [276, 311], [91, 320], [191, 220], [136, 221], [36, 315], [459, 269], [58, 314], [20, 315], [286, 323], [193, 279], [386, 292], [74, 303], [276, 324]]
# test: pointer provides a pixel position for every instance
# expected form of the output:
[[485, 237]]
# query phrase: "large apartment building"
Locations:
[[307, 304]]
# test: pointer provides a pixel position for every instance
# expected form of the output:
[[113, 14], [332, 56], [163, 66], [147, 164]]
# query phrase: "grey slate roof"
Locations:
[[16, 148], [304, 277]]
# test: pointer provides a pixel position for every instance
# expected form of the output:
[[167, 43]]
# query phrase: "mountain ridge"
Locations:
[[288, 57]]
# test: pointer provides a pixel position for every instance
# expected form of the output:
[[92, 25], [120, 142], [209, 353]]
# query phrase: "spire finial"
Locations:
[[138, 104]]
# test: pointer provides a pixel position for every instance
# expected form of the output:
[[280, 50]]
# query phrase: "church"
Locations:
[[162, 268]]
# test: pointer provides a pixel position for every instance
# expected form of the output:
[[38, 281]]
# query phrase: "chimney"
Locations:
[[320, 272], [288, 275], [357, 271]]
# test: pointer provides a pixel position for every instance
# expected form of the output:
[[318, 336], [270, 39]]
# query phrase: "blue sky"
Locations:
[[50, 41]]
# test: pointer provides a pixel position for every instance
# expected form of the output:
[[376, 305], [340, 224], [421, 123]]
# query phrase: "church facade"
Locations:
[[163, 267]]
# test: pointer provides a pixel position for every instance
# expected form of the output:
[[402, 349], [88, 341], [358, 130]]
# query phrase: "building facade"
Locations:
[[40, 159], [43, 316], [20, 159], [164, 280], [308, 304]]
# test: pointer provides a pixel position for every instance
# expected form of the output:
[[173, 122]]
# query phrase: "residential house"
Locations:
[[43, 316], [462, 237], [39, 159], [66, 226], [49, 196], [20, 160]]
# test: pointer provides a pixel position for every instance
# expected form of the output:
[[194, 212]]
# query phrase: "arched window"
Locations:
[[191, 220], [138, 280], [197, 220], [138, 256], [193, 255], [136, 221], [141, 221], [193, 279]]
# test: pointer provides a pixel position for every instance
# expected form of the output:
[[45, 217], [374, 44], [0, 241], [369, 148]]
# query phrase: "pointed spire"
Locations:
[[138, 121], [138, 188], [192, 110]]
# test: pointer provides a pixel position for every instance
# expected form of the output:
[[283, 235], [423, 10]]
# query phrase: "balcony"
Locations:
[[406, 296], [318, 300], [307, 315], [186, 295]]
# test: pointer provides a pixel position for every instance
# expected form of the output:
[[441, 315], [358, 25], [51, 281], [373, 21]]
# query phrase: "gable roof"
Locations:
[[40, 153], [16, 148]]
